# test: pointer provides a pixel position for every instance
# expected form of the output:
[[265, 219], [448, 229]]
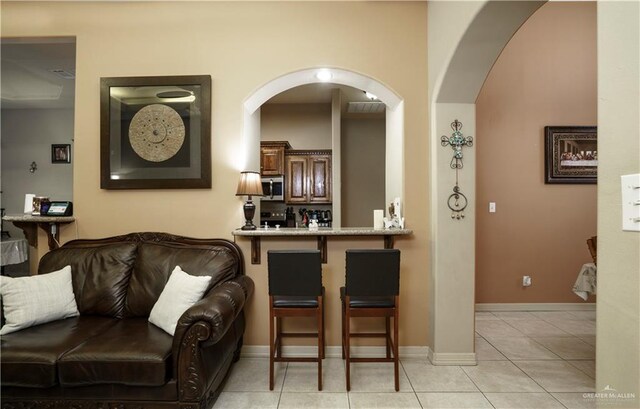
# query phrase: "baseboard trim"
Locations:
[[452, 358], [262, 351], [536, 306]]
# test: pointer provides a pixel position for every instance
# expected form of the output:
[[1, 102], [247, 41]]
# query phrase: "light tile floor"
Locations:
[[531, 360]]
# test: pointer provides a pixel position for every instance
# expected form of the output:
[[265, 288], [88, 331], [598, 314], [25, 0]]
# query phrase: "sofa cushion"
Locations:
[[100, 275], [131, 352], [28, 357], [33, 300], [156, 261], [181, 292]]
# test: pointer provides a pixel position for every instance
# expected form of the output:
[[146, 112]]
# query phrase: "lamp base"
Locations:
[[249, 212]]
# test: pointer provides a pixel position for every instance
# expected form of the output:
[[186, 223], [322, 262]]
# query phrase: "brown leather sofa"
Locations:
[[111, 356]]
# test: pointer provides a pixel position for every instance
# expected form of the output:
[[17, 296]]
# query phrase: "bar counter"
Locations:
[[322, 233]]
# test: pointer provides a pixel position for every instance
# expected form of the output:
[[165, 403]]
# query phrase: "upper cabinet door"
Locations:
[[296, 179], [319, 179], [271, 161], [272, 157]]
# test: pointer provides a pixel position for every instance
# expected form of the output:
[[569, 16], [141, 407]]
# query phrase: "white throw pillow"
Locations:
[[33, 300], [179, 294]]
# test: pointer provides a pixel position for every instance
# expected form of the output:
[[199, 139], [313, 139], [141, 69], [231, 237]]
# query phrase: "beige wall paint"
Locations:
[[618, 320], [305, 126], [363, 165], [242, 46], [546, 75]]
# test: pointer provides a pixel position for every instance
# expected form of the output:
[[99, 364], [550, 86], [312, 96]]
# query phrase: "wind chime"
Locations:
[[457, 201]]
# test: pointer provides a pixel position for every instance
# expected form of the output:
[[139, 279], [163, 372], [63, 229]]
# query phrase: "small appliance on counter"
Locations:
[[273, 219], [323, 217]]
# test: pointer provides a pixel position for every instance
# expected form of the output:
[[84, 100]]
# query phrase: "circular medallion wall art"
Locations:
[[156, 133]]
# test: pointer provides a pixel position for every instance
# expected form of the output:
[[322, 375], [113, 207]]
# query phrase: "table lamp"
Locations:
[[250, 184]]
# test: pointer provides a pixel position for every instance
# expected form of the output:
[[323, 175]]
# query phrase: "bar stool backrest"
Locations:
[[295, 273], [373, 273]]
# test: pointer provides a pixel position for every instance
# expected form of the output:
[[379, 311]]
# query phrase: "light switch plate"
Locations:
[[630, 202], [492, 207]]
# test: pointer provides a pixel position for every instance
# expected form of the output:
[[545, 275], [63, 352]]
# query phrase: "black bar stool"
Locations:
[[295, 290], [372, 290]]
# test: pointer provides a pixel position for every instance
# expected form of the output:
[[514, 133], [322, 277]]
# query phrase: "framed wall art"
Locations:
[[155, 132], [571, 154], [61, 153]]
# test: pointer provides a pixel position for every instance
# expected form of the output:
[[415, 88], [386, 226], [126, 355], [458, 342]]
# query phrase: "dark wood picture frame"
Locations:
[[61, 153], [122, 166], [570, 154]]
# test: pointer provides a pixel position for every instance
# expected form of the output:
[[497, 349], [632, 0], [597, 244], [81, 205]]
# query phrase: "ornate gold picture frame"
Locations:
[[571, 154]]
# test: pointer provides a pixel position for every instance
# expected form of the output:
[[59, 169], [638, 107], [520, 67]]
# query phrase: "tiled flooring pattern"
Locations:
[[533, 360]]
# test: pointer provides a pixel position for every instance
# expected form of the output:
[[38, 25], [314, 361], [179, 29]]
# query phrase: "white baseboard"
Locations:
[[452, 358], [570, 306], [262, 351]]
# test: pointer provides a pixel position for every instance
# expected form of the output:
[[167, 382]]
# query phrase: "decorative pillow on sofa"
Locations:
[[179, 294], [33, 300]]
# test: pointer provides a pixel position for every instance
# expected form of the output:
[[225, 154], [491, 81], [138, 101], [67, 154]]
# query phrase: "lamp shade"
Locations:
[[250, 184]]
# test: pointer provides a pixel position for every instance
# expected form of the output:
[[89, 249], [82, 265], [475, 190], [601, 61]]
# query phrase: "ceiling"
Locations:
[[29, 79], [29, 82], [320, 93]]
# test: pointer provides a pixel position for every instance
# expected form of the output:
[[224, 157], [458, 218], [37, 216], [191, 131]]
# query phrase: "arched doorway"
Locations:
[[394, 177], [460, 57]]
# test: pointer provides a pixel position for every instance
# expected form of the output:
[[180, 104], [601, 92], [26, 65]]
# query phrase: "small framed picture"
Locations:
[[571, 154], [61, 153]]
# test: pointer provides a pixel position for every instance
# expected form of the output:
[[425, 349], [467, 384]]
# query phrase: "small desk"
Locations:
[[321, 234], [50, 224]]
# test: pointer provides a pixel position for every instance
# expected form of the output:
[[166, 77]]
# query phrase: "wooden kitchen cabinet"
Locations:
[[272, 157], [308, 177]]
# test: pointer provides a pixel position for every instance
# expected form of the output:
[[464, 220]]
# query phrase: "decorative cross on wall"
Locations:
[[456, 141], [457, 201]]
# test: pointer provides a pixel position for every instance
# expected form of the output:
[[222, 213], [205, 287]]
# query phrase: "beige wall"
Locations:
[[363, 165], [546, 75], [242, 46], [618, 330], [305, 126]]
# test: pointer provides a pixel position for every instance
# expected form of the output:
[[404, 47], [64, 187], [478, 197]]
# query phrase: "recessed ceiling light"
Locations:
[[370, 95], [324, 75]]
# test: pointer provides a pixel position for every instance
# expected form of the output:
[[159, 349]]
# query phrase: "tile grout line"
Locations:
[[410, 383], [284, 378], [477, 387]]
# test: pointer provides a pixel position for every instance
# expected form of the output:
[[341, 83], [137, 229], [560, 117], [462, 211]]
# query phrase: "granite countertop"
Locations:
[[322, 231], [28, 218]]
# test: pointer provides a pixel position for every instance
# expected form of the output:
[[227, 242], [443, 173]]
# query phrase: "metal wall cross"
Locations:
[[456, 141], [457, 201]]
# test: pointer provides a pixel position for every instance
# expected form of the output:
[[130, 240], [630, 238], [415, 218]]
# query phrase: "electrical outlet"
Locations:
[[526, 281]]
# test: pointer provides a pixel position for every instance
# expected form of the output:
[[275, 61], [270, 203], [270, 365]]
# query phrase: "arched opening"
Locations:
[[460, 57], [394, 124]]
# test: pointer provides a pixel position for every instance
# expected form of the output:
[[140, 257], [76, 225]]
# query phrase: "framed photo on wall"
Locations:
[[155, 132], [571, 154], [61, 153]]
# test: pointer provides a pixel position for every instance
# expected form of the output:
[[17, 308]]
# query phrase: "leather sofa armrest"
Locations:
[[217, 310], [205, 323]]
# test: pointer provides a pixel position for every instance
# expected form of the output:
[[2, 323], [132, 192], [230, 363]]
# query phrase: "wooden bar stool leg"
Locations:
[[388, 338], [395, 346], [342, 322], [271, 344], [320, 314], [347, 341], [279, 337]]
